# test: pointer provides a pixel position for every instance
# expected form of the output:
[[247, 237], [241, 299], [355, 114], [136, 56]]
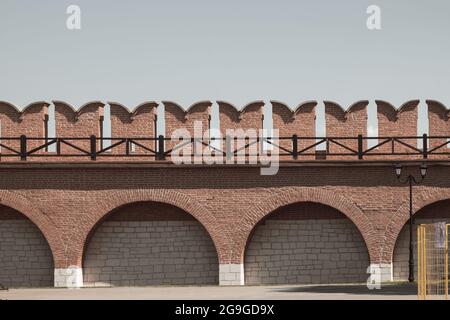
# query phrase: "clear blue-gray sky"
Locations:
[[239, 51]]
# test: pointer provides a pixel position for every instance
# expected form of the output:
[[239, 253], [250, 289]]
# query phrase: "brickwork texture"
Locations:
[[158, 223]]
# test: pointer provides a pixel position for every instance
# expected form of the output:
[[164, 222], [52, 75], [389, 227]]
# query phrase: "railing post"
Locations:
[[294, 147], [194, 146], [260, 141], [23, 147], [229, 154], [58, 146], [127, 147], [93, 147], [425, 145], [161, 152], [360, 146]]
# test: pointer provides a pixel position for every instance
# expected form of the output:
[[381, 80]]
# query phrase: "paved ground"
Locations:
[[347, 292]]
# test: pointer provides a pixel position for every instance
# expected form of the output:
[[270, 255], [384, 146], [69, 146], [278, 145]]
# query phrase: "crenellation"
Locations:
[[439, 124]]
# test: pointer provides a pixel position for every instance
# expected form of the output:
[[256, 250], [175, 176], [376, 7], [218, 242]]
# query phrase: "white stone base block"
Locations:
[[71, 277], [231, 274], [381, 272]]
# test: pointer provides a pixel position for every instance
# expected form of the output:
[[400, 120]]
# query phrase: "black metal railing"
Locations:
[[294, 147]]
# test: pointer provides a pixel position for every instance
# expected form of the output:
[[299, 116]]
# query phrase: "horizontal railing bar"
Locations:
[[233, 137], [347, 147]]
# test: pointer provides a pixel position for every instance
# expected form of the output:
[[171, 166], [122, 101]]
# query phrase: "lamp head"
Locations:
[[398, 170], [423, 170]]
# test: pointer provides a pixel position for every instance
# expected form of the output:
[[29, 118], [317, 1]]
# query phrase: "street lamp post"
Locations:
[[410, 179]]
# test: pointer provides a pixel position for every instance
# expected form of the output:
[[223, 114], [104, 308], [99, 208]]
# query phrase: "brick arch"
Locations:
[[43, 222], [259, 211], [401, 217], [120, 198]]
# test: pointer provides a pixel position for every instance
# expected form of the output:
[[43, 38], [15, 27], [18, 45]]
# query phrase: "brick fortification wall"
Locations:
[[141, 122], [345, 123], [68, 204], [306, 243], [25, 258], [150, 244], [76, 124], [216, 226], [249, 117], [301, 121], [396, 122], [439, 125], [14, 123], [177, 118]]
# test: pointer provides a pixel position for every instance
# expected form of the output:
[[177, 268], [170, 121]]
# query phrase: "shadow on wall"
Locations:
[[403, 289]]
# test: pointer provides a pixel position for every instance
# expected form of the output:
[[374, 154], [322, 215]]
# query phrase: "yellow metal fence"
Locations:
[[432, 246]]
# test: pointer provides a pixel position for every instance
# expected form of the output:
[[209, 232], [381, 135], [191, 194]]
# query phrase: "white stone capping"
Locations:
[[231, 274], [71, 277], [386, 271]]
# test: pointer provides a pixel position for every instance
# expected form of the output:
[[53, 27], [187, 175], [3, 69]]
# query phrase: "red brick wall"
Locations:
[[250, 117], [67, 202], [345, 123], [439, 126], [401, 122], [176, 117], [300, 121], [81, 123], [139, 123], [14, 123]]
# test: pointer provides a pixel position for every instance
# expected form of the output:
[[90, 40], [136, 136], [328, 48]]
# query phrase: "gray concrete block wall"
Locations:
[[25, 257], [401, 250], [308, 251], [137, 253]]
